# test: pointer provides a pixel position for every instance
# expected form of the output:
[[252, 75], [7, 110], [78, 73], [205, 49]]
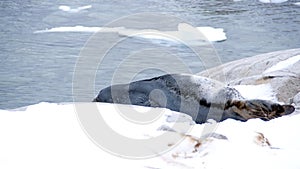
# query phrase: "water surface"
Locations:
[[39, 67]]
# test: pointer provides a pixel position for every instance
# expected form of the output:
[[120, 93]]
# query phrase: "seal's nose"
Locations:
[[288, 109]]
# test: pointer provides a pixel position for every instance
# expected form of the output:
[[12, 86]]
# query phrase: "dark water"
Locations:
[[39, 67]]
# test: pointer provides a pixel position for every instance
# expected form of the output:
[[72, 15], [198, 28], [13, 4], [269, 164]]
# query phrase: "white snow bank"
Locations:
[[185, 33], [49, 135], [273, 1], [297, 3], [262, 91], [283, 64], [74, 10]]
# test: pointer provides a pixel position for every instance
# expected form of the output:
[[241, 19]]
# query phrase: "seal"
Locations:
[[200, 97]]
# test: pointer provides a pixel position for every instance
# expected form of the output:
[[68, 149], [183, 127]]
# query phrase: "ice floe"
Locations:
[[66, 8], [79, 29], [273, 1], [185, 33]]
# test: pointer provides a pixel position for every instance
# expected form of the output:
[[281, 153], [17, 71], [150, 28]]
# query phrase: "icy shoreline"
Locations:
[[49, 135]]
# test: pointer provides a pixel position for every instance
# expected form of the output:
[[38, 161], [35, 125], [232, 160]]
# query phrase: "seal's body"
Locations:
[[200, 97]]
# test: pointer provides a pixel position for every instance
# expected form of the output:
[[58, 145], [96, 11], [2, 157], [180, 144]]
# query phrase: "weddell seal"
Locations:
[[200, 97]]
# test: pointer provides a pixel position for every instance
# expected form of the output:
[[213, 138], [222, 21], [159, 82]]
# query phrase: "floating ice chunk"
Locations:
[[74, 10], [297, 3], [64, 8], [273, 1], [80, 29], [70, 29], [149, 34], [155, 36], [84, 7], [185, 33], [283, 64], [209, 33], [213, 34]]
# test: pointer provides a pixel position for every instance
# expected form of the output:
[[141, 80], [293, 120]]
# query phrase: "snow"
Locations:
[[262, 91], [66, 8], [273, 1], [184, 33], [283, 64], [49, 135], [297, 3]]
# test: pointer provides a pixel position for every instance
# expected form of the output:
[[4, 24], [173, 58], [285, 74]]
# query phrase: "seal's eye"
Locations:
[[104, 96], [278, 109]]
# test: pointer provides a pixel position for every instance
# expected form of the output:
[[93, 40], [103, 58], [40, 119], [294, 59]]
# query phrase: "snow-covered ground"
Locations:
[[261, 91], [49, 135], [282, 65]]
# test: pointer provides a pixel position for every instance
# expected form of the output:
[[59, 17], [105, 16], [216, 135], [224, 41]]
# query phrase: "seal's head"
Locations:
[[104, 96], [266, 110]]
